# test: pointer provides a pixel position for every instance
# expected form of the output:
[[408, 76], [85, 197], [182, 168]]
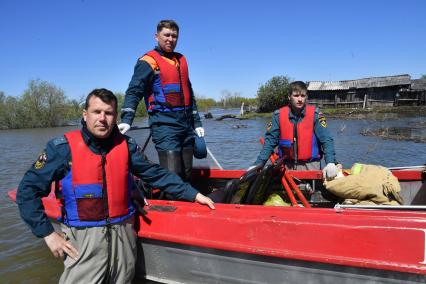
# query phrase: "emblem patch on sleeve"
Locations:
[[322, 121], [269, 126], [41, 161]]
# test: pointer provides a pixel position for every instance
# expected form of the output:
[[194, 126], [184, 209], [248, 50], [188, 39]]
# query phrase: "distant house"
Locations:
[[416, 94], [367, 92]]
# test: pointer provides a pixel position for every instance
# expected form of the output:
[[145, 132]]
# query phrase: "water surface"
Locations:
[[234, 143]]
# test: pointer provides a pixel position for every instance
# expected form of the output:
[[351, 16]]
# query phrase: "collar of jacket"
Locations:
[[97, 145], [295, 117], [169, 55]]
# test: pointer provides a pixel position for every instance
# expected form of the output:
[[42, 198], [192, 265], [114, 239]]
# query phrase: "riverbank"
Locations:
[[414, 132], [377, 113]]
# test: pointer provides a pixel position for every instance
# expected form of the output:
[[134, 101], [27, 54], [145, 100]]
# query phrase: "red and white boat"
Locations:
[[181, 242]]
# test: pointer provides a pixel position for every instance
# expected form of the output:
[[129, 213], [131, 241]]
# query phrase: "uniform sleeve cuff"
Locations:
[[43, 230], [190, 194]]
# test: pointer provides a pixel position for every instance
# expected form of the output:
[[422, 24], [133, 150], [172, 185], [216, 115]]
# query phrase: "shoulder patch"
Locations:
[[322, 121], [269, 126], [59, 141], [41, 161]]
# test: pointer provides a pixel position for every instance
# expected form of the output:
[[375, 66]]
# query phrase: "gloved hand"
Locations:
[[123, 127], [199, 131], [330, 171]]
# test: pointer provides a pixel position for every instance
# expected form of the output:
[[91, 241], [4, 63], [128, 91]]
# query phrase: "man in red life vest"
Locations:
[[300, 132], [95, 167], [161, 78]]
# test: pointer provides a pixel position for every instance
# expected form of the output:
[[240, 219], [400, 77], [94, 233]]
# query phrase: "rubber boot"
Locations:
[[187, 154], [171, 160]]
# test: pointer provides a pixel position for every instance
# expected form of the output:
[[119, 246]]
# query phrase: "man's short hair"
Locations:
[[168, 24], [297, 87], [105, 95]]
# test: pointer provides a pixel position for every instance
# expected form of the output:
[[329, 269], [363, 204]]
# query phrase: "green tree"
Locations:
[[204, 104], [234, 100], [423, 77], [13, 116], [43, 104], [273, 94], [74, 109], [140, 111]]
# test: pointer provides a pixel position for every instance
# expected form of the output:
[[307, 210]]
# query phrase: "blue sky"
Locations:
[[230, 45]]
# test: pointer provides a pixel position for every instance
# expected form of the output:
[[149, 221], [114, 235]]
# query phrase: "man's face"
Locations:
[[297, 100], [100, 117], [167, 39]]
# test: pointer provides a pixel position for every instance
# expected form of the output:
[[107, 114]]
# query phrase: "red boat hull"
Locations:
[[383, 245]]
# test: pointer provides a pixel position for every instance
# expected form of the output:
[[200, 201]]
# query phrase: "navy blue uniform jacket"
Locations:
[[55, 162]]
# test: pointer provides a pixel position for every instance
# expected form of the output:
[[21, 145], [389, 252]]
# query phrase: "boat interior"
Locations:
[[254, 188], [257, 185]]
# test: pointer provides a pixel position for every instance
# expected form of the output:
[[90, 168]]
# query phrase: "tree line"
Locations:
[[41, 105], [45, 105]]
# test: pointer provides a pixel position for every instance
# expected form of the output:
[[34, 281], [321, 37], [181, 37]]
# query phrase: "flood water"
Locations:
[[234, 143]]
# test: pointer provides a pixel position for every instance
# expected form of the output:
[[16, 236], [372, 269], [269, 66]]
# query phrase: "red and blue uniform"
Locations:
[[162, 80], [312, 143], [298, 140], [170, 89], [57, 163], [97, 189]]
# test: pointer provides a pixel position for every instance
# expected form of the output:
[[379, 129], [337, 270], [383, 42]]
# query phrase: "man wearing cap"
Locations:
[[94, 166], [301, 134], [161, 78]]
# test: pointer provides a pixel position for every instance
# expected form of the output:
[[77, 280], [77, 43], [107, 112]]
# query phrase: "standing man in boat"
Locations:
[[161, 78], [95, 167], [300, 131]]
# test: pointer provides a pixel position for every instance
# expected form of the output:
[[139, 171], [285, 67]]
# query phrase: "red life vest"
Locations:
[[97, 189], [307, 144], [170, 90]]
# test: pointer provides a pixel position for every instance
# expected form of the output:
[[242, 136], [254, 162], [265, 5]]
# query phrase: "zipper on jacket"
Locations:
[[104, 190], [107, 219]]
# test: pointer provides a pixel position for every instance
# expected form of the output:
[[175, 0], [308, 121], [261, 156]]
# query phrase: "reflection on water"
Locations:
[[234, 143]]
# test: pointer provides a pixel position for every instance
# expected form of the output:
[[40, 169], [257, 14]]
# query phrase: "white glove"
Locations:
[[330, 171], [199, 131], [123, 127]]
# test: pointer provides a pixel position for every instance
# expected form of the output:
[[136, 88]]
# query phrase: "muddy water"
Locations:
[[234, 143]]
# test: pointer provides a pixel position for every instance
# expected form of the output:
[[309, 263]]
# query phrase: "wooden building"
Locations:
[[367, 92], [416, 95]]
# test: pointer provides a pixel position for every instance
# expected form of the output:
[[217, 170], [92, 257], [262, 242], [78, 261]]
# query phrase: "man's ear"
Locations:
[[84, 114]]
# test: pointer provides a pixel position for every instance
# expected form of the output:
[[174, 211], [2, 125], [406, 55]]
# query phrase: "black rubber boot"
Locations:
[[171, 160], [187, 154]]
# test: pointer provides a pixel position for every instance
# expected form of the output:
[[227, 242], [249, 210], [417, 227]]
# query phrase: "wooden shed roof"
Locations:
[[372, 82], [418, 84]]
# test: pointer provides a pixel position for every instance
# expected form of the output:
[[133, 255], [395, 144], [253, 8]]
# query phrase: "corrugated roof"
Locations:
[[373, 82]]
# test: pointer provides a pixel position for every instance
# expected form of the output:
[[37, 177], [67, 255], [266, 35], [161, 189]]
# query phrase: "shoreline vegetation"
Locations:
[[45, 105]]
